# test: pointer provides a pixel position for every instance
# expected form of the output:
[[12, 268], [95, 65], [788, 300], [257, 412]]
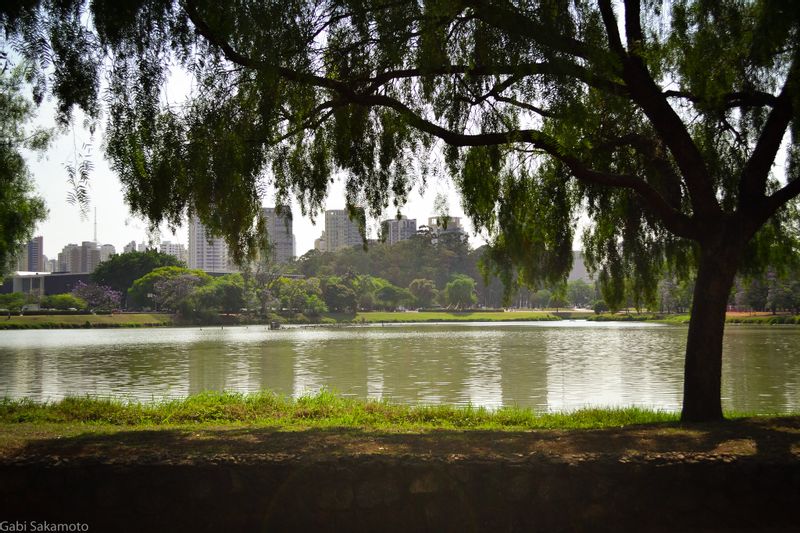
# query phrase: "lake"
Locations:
[[544, 365]]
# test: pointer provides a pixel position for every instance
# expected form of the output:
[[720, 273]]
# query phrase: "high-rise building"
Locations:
[[106, 251], [206, 252], [174, 249], [90, 256], [130, 247], [395, 230], [79, 259], [340, 231], [280, 239], [319, 244], [53, 265], [66, 258], [141, 247], [35, 253]]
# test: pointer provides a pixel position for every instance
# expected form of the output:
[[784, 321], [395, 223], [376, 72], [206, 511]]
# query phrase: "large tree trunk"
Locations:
[[702, 382]]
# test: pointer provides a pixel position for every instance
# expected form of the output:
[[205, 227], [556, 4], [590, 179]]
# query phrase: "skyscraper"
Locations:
[[279, 233], [35, 252], [207, 253], [395, 230], [340, 231], [79, 259], [90, 256]]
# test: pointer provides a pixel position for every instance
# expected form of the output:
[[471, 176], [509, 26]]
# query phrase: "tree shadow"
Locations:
[[772, 440]]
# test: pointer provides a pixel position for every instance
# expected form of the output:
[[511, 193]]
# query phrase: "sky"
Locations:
[[116, 225]]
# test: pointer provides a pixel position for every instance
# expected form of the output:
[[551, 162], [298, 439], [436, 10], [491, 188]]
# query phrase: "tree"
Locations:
[[20, 209], [579, 293], [541, 298], [143, 292], [339, 297], [224, 294], [13, 302], [97, 297], [391, 296], [120, 271], [424, 292], [460, 292], [664, 120], [557, 302], [169, 292]]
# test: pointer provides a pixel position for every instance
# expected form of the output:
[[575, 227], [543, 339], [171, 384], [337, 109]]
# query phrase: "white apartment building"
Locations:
[[279, 233], [340, 231], [106, 251], [130, 247], [174, 249], [395, 230], [207, 253]]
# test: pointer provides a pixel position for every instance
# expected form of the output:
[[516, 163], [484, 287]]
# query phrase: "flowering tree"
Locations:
[[168, 293], [98, 297]]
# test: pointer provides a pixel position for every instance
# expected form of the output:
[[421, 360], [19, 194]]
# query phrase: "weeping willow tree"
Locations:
[[660, 120]]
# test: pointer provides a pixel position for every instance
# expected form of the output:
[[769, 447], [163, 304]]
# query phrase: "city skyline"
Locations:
[[115, 224]]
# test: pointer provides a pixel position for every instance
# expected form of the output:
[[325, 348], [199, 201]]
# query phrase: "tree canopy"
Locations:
[[20, 208], [120, 271], [661, 120]]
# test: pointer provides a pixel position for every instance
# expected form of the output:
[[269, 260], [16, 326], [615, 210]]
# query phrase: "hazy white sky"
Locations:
[[116, 225]]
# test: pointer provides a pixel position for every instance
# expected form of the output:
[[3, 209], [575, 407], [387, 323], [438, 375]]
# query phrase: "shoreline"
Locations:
[[158, 320]]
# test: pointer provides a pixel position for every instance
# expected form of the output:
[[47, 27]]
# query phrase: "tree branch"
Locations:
[[500, 14], [732, 100], [753, 184], [676, 221], [552, 67], [649, 97]]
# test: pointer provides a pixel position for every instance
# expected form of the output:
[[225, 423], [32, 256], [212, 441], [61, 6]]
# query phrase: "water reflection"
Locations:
[[557, 366]]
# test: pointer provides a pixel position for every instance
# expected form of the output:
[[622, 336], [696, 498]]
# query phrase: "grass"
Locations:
[[127, 320], [444, 316], [320, 410], [682, 319], [763, 319]]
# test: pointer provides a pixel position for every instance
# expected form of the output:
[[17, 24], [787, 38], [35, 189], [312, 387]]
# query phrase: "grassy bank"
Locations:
[[373, 317], [321, 410], [730, 318], [126, 320]]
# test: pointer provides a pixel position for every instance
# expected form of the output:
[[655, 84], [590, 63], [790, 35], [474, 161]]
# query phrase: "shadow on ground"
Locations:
[[742, 475]]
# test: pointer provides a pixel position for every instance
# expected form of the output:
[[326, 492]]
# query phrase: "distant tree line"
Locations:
[[421, 272]]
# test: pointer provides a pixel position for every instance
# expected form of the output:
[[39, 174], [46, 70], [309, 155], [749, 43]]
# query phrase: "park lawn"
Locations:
[[81, 321], [445, 316]]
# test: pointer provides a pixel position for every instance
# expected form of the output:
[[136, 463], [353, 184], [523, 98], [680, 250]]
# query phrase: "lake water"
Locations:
[[545, 365]]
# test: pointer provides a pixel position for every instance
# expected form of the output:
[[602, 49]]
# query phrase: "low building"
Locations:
[[42, 283]]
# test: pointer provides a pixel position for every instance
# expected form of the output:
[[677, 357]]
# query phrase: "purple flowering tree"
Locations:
[[98, 297], [169, 293]]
